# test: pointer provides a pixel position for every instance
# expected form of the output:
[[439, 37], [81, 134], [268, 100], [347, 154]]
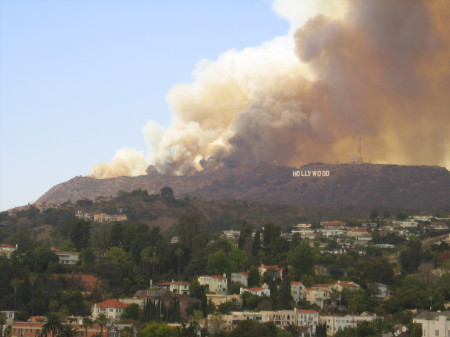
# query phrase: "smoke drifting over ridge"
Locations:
[[377, 69]]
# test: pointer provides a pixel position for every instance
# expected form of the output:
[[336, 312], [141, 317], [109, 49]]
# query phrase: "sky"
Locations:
[[79, 79]]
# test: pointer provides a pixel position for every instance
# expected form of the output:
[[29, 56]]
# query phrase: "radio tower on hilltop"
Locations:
[[359, 159]]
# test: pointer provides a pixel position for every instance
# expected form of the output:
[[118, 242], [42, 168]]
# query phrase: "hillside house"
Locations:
[[256, 291], [174, 287], [216, 283], [112, 309], [275, 271], [69, 258], [7, 250], [241, 278], [297, 290], [434, 323]]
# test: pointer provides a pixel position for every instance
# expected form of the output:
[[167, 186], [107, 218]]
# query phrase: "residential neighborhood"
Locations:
[[328, 278]]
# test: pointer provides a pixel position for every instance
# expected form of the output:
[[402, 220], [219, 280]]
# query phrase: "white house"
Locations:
[[434, 323], [6, 249], [112, 309], [241, 278], [174, 287], [256, 291], [297, 290], [216, 283], [336, 323]]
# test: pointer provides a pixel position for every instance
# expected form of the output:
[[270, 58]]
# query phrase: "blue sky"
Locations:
[[79, 79]]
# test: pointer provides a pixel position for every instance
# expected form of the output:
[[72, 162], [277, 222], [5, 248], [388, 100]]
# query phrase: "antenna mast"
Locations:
[[359, 159]]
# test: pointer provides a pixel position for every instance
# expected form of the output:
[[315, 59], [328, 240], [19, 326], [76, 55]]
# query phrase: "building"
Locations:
[[241, 278], [333, 225], [317, 294], [216, 284], [66, 257], [434, 323], [297, 290], [341, 285], [174, 287], [336, 323], [85, 282], [6, 249], [26, 329], [112, 309], [10, 316], [256, 291], [275, 271], [307, 318], [218, 299]]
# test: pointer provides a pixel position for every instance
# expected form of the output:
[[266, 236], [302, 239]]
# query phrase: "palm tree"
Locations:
[[52, 325], [32, 278], [15, 283], [68, 331], [101, 320], [2, 322], [87, 322], [179, 253]]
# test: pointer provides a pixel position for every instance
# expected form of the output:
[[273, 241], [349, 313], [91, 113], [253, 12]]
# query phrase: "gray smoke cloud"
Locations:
[[375, 69]]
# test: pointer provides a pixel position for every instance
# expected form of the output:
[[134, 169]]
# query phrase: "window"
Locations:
[[436, 332]]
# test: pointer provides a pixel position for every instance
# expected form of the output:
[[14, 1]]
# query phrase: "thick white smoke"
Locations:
[[376, 69]]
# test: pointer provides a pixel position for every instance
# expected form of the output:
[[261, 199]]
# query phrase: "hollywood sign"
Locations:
[[310, 173]]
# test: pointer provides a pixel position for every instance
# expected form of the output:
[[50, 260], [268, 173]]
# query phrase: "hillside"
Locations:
[[362, 185]]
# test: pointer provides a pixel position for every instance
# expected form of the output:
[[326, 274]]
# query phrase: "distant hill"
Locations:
[[349, 185]]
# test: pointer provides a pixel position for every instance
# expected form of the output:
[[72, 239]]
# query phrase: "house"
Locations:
[[331, 232], [231, 234], [256, 291], [379, 290], [434, 323], [275, 271], [218, 299], [307, 318], [282, 318], [85, 282], [26, 329], [112, 309], [241, 278], [317, 294], [216, 283], [70, 258], [333, 225], [7, 250], [341, 285], [174, 287], [336, 323], [297, 290], [10, 316], [103, 217]]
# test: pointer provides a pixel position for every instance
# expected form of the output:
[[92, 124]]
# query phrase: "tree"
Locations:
[[374, 214], [302, 260], [53, 325], [81, 234], [87, 322], [68, 331], [156, 329], [254, 278], [15, 283], [166, 193], [179, 253], [131, 312], [101, 320], [411, 257], [32, 277], [2, 322]]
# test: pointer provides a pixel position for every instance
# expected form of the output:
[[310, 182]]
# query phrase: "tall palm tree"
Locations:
[[101, 320], [2, 322], [179, 253], [68, 331], [15, 283], [87, 322], [32, 278], [52, 325]]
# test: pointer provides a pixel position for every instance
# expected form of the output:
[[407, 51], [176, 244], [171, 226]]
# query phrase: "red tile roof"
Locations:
[[307, 311], [112, 303], [5, 245]]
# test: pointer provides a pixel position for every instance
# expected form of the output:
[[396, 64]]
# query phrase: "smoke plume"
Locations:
[[379, 70]]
